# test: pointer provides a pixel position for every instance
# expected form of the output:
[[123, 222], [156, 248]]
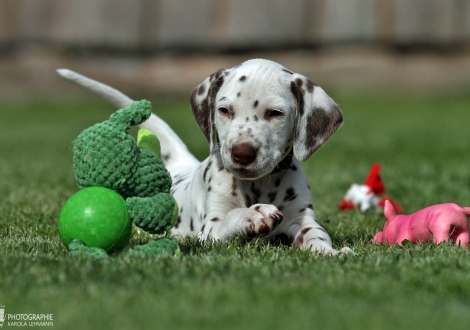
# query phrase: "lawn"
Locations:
[[421, 141]]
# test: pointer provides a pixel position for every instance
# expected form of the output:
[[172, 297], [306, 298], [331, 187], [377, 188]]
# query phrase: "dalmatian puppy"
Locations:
[[260, 120]]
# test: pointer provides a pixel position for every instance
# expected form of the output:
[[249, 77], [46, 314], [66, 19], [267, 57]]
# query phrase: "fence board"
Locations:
[[349, 21], [114, 23], [222, 24], [9, 23], [428, 21]]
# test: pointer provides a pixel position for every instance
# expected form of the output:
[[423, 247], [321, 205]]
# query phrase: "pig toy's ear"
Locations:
[[389, 211]]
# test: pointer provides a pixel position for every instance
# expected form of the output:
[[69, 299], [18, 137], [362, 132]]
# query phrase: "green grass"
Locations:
[[422, 142]]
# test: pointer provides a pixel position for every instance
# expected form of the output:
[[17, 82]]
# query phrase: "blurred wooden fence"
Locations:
[[232, 24]]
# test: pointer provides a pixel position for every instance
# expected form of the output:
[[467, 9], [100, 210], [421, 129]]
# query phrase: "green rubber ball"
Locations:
[[98, 217]]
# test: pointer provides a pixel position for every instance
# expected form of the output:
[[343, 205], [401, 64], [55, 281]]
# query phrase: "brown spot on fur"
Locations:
[[215, 219], [178, 222], [178, 181], [201, 90], [323, 124], [206, 170], [272, 196], [255, 117], [309, 206], [288, 71], [310, 86], [242, 78], [317, 238], [297, 91], [255, 105], [318, 122], [321, 229], [305, 230], [290, 194], [191, 225], [299, 241]]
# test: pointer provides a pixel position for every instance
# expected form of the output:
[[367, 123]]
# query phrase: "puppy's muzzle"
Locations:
[[244, 154]]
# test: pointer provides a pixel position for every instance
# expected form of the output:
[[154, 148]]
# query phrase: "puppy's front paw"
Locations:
[[341, 252], [261, 219]]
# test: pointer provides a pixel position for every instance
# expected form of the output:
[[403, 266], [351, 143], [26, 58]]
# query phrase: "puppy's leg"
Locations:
[[307, 234], [257, 220], [313, 237]]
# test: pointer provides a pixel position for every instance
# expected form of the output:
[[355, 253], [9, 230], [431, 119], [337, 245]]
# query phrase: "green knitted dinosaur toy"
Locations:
[[105, 155]]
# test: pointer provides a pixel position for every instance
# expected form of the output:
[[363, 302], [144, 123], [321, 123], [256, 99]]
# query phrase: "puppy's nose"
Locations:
[[244, 153]]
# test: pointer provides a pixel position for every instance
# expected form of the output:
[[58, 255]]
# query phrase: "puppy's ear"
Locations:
[[203, 104], [318, 116]]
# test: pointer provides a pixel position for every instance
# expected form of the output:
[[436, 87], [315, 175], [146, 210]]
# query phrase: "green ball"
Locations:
[[98, 217]]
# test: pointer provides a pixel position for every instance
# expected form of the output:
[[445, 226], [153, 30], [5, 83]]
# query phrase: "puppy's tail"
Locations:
[[174, 152]]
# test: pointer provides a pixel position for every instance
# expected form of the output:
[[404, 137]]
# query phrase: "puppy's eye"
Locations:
[[272, 114], [224, 111]]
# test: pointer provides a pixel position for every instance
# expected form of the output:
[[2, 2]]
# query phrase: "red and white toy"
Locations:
[[439, 223], [365, 196]]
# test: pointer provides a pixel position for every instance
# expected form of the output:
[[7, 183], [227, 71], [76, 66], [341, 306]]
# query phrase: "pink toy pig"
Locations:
[[439, 222]]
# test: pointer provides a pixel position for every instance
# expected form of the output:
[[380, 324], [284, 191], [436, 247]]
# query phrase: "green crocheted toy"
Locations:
[[105, 155], [164, 245]]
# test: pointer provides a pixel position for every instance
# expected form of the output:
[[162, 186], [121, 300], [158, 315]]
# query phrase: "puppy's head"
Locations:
[[258, 112]]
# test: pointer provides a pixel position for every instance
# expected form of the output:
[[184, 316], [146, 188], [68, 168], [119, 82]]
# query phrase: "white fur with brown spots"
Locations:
[[261, 120]]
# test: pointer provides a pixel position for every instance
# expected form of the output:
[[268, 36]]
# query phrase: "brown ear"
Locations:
[[203, 104], [318, 117]]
